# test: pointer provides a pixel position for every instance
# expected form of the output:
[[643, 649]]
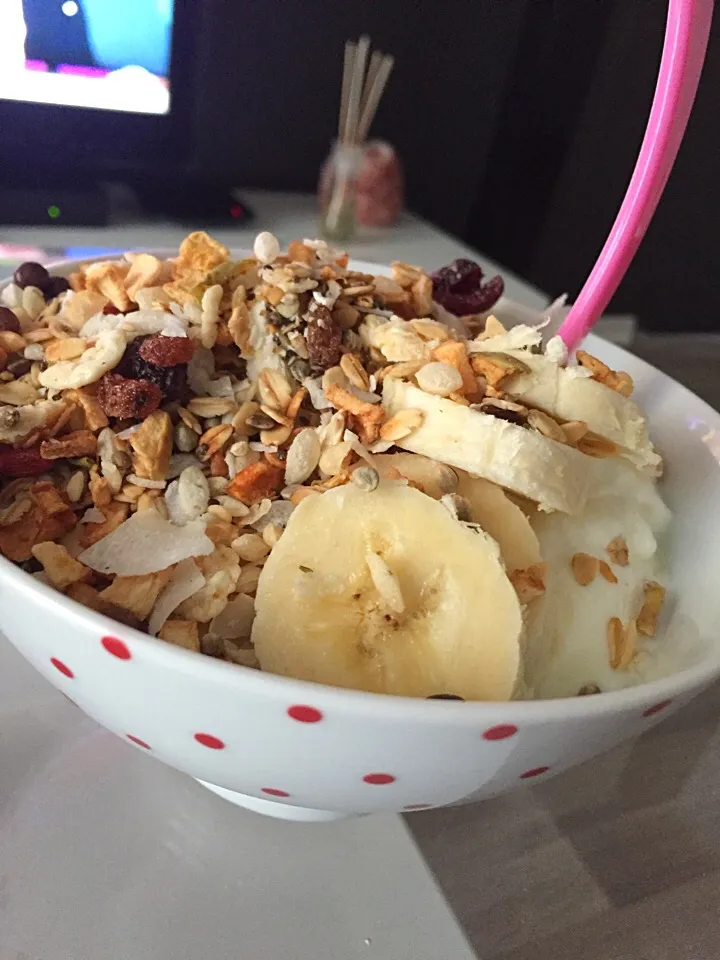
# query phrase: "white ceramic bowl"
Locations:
[[303, 751]]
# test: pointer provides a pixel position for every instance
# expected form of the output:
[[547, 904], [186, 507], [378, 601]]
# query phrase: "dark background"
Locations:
[[518, 121]]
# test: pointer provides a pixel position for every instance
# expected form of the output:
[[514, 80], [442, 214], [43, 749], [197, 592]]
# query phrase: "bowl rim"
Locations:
[[349, 700]]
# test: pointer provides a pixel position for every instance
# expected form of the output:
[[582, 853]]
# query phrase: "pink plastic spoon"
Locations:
[[686, 37]]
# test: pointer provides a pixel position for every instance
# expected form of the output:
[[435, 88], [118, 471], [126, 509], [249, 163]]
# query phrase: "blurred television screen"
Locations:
[[100, 54]]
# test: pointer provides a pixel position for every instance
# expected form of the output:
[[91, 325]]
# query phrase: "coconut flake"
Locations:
[[520, 337], [316, 393], [236, 620], [127, 433], [147, 543], [186, 580], [93, 515], [99, 323]]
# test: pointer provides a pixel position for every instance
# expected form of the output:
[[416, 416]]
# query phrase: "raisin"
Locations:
[[55, 286], [459, 287], [8, 320], [126, 398], [167, 351], [31, 274], [512, 416], [172, 381], [21, 463], [324, 339]]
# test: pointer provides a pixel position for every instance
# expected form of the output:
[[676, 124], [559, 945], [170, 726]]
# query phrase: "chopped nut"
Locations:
[[152, 446], [68, 349], [181, 633], [606, 572], [250, 547], [574, 431], [401, 425], [137, 594], [595, 446], [654, 598], [81, 443], [353, 369], [368, 417], [585, 568], [95, 417], [400, 371], [239, 327], [617, 550], [60, 567], [190, 420], [497, 368], [529, 583], [546, 426], [100, 489], [588, 690], [12, 342], [115, 513], [49, 519], [620, 382], [297, 496]]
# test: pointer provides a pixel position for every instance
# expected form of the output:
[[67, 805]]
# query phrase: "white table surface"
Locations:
[[108, 855]]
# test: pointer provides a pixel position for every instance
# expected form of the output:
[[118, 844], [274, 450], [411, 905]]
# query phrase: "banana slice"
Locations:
[[503, 520], [388, 593], [554, 475], [567, 394], [435, 478]]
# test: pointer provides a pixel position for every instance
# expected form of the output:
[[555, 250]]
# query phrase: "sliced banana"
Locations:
[[503, 520], [555, 476], [436, 479], [566, 393], [388, 594]]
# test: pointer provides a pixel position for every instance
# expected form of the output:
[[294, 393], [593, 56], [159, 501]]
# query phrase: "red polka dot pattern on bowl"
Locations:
[[138, 741], [304, 714], [379, 779], [63, 668], [501, 732], [208, 740], [535, 772], [656, 708], [116, 648], [274, 792]]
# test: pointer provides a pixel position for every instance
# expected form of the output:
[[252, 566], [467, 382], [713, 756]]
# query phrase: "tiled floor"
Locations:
[[618, 859]]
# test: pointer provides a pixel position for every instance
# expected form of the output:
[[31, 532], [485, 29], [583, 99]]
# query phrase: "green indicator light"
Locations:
[[53, 212]]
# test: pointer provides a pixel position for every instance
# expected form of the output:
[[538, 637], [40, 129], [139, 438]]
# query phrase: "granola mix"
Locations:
[[160, 420]]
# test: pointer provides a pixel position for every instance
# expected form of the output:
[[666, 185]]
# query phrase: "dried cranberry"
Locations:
[[8, 320], [460, 276], [167, 351], [21, 463], [126, 398], [324, 339], [55, 286], [460, 289], [172, 381]]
